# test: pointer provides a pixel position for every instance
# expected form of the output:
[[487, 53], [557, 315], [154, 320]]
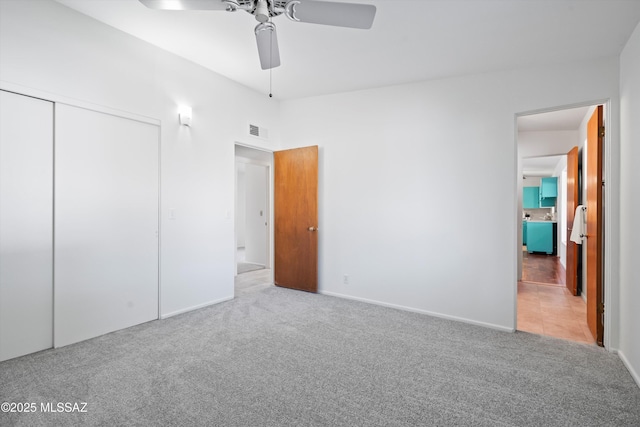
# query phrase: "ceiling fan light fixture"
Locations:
[[262, 11]]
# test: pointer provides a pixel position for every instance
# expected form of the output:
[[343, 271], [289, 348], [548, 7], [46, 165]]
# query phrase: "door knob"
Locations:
[[312, 228]]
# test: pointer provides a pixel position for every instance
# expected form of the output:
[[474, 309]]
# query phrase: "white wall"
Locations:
[[411, 231], [56, 51], [630, 204], [531, 181]]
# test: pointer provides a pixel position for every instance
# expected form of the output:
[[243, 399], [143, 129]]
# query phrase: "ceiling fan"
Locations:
[[350, 15]]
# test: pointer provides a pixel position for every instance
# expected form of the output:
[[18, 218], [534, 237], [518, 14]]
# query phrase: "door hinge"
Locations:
[[601, 132], [601, 307]]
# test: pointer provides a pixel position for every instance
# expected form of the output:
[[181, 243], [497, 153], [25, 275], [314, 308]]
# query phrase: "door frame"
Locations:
[[270, 235], [610, 286]]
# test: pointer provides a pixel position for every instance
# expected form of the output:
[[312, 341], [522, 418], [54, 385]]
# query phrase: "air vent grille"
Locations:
[[257, 131]]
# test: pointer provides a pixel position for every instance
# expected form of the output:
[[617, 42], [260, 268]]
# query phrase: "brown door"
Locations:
[[595, 307], [296, 218], [572, 204]]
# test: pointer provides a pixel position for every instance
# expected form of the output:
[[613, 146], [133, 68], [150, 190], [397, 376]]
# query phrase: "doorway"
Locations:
[[544, 305], [286, 189], [253, 231]]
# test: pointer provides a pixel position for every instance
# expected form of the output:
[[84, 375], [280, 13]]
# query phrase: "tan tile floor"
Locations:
[[549, 309]]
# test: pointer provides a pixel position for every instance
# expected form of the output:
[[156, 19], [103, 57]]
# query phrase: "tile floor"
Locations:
[[542, 268], [551, 310], [545, 306]]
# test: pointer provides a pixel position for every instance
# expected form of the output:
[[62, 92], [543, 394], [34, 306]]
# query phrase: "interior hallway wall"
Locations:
[[58, 52], [241, 205], [560, 208], [256, 214], [630, 204]]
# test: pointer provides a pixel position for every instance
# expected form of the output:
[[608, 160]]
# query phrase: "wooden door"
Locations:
[[572, 204], [296, 218], [595, 307]]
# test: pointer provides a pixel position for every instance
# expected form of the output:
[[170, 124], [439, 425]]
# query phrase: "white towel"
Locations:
[[579, 225]]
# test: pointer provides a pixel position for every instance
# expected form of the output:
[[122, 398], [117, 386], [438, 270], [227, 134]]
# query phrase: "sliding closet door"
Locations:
[[106, 222], [26, 221]]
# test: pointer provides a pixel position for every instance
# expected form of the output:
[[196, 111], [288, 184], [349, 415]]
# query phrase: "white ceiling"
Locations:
[[569, 119], [540, 166], [411, 40]]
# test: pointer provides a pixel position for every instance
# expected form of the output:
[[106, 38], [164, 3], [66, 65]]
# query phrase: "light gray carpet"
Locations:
[[276, 357], [246, 267]]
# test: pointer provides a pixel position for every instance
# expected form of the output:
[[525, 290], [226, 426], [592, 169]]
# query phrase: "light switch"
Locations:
[[172, 214]]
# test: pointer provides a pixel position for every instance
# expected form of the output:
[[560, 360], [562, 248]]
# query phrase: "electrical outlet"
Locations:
[[345, 279]]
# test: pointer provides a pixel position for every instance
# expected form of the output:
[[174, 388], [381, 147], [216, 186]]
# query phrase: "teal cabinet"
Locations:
[[549, 187], [530, 197], [548, 192], [541, 237], [524, 232], [548, 202]]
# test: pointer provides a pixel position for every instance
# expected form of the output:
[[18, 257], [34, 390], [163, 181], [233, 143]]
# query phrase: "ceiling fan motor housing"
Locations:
[[263, 10]]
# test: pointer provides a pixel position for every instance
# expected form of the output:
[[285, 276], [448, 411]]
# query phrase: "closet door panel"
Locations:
[[26, 225], [106, 221]]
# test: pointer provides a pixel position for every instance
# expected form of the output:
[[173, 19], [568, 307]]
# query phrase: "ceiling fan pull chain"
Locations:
[[271, 68]]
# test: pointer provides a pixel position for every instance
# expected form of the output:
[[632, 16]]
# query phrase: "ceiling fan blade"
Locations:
[[185, 4], [267, 45], [349, 15]]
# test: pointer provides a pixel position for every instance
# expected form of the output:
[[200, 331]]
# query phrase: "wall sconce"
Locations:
[[184, 115]]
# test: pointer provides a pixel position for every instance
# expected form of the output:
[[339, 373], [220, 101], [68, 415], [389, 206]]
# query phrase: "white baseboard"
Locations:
[[417, 310], [627, 364], [195, 307]]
